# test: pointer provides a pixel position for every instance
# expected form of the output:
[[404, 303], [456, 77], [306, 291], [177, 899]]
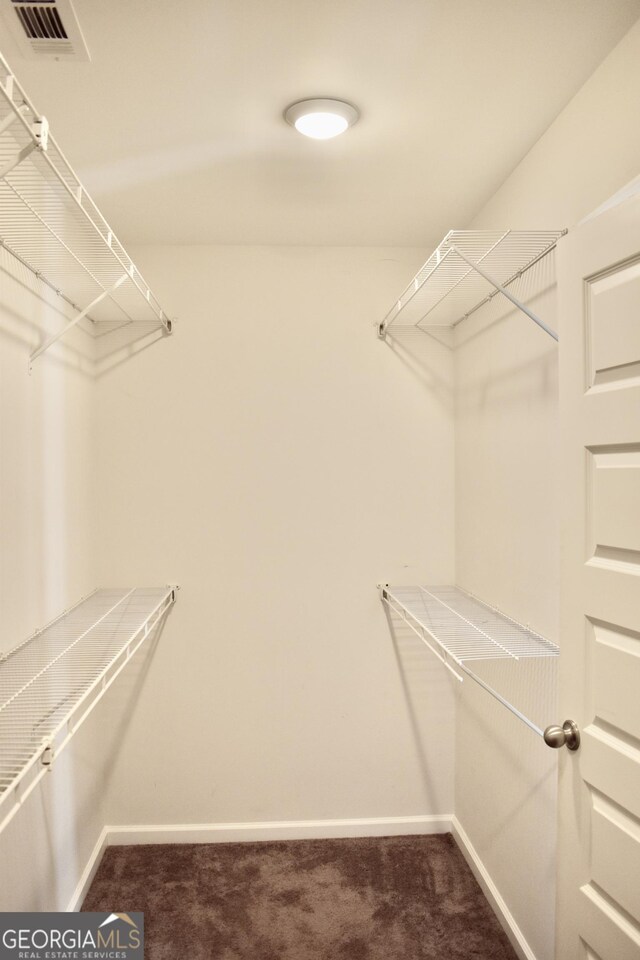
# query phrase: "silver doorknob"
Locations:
[[567, 735]]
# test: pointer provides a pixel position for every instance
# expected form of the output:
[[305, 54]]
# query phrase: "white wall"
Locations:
[[507, 542], [277, 460], [507, 539], [588, 153], [46, 563]]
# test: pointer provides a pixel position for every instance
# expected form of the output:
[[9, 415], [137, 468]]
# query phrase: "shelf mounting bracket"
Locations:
[[494, 283], [40, 134], [72, 323]]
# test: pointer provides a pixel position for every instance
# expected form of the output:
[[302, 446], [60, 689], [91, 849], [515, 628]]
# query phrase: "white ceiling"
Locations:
[[176, 126]]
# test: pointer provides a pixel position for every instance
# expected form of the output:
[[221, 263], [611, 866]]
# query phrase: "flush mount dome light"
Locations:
[[321, 119]]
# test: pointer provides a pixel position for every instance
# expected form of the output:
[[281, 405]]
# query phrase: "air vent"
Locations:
[[46, 29], [40, 22]]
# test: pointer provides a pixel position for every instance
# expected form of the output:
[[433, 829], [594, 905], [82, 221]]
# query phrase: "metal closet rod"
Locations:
[[554, 736], [41, 277], [511, 280], [518, 303], [72, 323], [442, 653], [498, 287]]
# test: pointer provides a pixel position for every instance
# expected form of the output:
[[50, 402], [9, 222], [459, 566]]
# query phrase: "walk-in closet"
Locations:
[[320, 480]]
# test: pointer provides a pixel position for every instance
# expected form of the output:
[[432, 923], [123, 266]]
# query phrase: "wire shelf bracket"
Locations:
[[76, 320], [466, 271], [466, 635], [50, 683], [50, 224]]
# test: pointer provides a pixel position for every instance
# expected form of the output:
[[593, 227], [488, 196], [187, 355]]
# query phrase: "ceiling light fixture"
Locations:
[[321, 119]]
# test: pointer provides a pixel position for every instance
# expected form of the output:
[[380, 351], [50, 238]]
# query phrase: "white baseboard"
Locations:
[[89, 871], [244, 832], [491, 892], [278, 830]]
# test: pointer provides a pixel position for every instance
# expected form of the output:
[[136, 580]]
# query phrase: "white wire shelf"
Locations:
[[51, 682], [469, 268], [517, 666], [51, 225]]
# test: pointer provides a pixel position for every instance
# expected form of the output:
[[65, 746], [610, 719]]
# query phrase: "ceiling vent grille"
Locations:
[[45, 29], [40, 22]]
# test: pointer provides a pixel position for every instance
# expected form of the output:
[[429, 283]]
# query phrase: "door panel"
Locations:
[[616, 677], [606, 760], [615, 498], [615, 853], [607, 934], [613, 334], [599, 788]]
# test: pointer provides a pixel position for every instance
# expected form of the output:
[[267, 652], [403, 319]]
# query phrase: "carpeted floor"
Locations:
[[390, 898]]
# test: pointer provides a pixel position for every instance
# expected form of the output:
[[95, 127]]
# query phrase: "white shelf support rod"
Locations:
[[72, 323], [11, 118], [505, 703], [17, 158], [494, 283]]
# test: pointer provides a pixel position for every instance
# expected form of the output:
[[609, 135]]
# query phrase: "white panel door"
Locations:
[[598, 914]]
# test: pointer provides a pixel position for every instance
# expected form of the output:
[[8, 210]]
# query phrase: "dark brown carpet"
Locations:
[[390, 898]]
